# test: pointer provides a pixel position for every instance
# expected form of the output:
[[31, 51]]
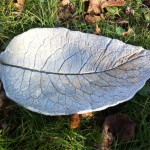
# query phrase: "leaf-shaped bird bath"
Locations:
[[55, 71]]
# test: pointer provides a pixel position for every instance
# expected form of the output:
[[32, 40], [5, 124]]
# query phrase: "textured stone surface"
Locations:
[[55, 71]]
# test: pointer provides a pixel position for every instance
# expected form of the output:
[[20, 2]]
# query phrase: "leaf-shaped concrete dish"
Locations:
[[55, 71]]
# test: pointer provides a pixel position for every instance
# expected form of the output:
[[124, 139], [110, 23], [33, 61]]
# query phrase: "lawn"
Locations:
[[23, 129]]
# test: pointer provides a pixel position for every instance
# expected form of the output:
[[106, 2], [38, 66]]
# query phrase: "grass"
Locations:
[[23, 129]]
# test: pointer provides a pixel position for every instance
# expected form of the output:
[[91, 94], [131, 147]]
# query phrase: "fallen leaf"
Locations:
[[20, 5], [116, 126], [120, 31], [66, 10], [85, 115], [65, 2], [97, 6], [122, 21], [97, 30], [75, 121], [129, 32], [120, 126], [21, 2], [92, 18], [94, 6], [107, 138], [110, 3], [127, 131]]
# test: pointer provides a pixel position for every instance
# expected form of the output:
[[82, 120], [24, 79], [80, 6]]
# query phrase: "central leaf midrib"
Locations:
[[61, 73]]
